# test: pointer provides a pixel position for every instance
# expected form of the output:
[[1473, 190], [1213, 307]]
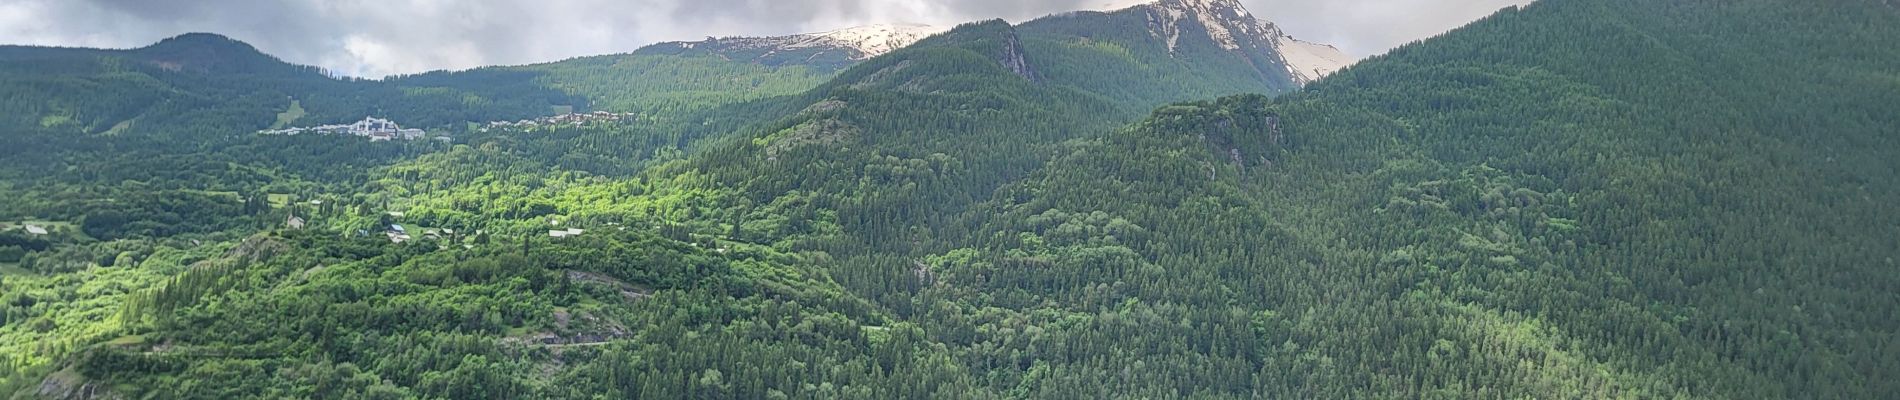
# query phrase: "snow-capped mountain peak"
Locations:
[[1225, 22], [1233, 28]]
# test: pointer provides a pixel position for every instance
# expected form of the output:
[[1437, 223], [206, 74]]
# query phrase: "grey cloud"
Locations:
[[384, 37], [1368, 27]]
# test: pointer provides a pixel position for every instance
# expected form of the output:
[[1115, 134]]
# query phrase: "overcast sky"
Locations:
[[374, 38]]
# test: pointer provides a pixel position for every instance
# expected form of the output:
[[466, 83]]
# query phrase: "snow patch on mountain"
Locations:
[[1308, 61], [854, 44], [1233, 28], [1119, 5], [871, 40], [1226, 21]]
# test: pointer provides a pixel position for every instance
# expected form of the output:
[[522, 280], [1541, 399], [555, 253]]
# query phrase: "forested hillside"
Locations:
[[1575, 199], [1693, 202]]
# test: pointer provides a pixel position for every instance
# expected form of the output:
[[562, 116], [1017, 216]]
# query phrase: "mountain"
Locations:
[[874, 40], [211, 53], [832, 50], [1229, 25], [1023, 89], [1226, 23], [669, 79], [953, 117], [1110, 67], [1220, 44], [1570, 199], [196, 52], [204, 86]]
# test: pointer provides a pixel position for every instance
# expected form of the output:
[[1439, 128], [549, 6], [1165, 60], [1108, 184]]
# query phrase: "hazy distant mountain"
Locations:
[[834, 49]]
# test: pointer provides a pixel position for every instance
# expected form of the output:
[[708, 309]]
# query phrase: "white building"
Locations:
[[376, 129]]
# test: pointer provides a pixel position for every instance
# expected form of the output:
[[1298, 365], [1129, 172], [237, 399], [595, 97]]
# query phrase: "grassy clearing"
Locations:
[[126, 341], [294, 113], [120, 127], [54, 120], [278, 200], [49, 225]]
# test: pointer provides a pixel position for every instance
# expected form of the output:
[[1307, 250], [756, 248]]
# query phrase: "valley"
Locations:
[[1169, 199]]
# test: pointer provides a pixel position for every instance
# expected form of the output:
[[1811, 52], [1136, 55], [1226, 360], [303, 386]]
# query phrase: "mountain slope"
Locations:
[[1232, 27], [210, 53], [1279, 60], [1576, 199], [89, 115], [815, 189], [1509, 210], [833, 50], [201, 86], [993, 100], [1203, 48]]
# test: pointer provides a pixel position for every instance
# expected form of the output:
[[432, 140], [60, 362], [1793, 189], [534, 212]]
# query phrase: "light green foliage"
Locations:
[[290, 115]]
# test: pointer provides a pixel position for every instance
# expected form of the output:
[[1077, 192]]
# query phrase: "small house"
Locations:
[[35, 230], [294, 222], [397, 234]]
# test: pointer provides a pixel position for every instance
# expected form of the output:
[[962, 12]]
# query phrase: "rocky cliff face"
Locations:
[[1013, 58], [1231, 27]]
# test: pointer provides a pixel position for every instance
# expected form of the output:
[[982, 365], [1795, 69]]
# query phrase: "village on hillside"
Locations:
[[571, 119], [376, 129]]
